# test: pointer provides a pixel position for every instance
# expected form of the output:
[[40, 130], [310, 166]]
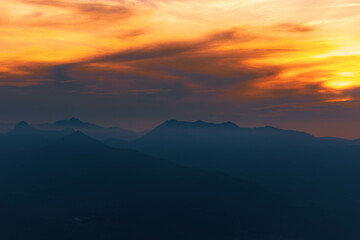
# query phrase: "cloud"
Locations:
[[345, 5], [299, 28], [90, 9], [197, 65], [130, 34], [201, 67], [75, 15], [193, 63]]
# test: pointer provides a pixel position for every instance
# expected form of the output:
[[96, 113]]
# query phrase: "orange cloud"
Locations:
[[93, 10], [295, 28], [236, 50]]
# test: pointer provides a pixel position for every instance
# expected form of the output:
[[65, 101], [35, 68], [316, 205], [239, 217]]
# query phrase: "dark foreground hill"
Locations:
[[78, 188]]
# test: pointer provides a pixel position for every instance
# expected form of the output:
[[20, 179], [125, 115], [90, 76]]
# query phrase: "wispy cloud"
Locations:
[[90, 9], [76, 14], [346, 5], [301, 28]]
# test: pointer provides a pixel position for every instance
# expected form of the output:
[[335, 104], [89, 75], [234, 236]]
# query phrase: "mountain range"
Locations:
[[182, 180], [90, 129], [292, 163], [79, 188]]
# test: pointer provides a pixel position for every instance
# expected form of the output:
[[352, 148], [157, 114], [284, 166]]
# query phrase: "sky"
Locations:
[[135, 63]]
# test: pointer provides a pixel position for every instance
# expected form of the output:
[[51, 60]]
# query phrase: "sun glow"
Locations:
[[341, 84]]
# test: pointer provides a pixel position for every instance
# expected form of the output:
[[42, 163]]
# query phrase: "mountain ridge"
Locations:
[[183, 179], [93, 130]]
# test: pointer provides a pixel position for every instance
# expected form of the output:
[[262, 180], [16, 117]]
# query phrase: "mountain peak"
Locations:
[[73, 119], [23, 128], [74, 123], [22, 124], [169, 123], [229, 125], [200, 122]]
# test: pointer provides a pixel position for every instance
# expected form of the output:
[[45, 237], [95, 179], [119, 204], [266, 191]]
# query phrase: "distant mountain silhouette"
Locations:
[[174, 124], [226, 129], [74, 123], [63, 192], [77, 188], [292, 163], [25, 136], [90, 129], [205, 137], [24, 128]]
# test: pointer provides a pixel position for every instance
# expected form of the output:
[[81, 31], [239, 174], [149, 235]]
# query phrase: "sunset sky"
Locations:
[[135, 63]]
